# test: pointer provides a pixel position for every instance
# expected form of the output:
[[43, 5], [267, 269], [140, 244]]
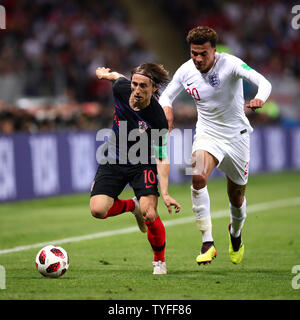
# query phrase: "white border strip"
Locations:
[[290, 202]]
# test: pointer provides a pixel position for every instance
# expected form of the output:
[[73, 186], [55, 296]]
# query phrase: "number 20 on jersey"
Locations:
[[194, 92]]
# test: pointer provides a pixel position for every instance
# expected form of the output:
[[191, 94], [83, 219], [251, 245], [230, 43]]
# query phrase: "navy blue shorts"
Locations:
[[111, 179]]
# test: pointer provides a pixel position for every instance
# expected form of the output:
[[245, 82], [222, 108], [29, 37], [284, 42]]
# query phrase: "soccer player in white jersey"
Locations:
[[215, 81]]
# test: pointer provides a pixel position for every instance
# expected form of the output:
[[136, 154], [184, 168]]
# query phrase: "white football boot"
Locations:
[[159, 267]]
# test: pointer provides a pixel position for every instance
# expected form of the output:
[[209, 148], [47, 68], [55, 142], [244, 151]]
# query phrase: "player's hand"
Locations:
[[169, 115], [254, 104], [102, 72], [170, 202]]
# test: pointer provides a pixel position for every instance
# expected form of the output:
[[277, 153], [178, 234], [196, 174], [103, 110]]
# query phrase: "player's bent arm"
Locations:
[[254, 77], [103, 73], [263, 92], [264, 86]]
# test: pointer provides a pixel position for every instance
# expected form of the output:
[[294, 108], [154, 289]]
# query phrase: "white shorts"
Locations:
[[233, 157]]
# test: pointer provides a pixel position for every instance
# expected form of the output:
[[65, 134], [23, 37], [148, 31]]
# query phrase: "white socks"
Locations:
[[201, 209], [237, 218]]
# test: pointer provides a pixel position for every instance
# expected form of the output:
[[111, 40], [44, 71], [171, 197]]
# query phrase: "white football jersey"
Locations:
[[218, 95]]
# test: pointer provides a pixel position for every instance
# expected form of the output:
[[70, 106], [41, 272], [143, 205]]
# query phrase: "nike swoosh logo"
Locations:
[[188, 84], [147, 187]]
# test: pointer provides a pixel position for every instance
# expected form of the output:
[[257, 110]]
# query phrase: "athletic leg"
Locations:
[[103, 206], [203, 164], [236, 167], [236, 194], [109, 182], [156, 232], [237, 199]]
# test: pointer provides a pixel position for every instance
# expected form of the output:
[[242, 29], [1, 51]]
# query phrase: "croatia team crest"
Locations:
[[142, 126], [214, 79]]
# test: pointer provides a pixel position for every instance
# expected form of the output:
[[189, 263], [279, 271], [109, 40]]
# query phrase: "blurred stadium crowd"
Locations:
[[50, 49], [49, 52]]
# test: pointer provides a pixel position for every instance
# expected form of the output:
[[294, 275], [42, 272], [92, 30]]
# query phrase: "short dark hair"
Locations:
[[155, 72], [200, 35]]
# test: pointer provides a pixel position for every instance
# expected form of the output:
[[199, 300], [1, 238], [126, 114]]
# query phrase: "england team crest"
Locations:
[[142, 126], [214, 79]]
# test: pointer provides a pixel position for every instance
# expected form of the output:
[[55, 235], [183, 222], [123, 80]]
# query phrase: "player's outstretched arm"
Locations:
[[264, 86], [103, 73], [163, 168]]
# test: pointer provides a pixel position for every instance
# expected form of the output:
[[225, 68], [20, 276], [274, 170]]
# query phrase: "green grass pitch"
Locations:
[[118, 267]]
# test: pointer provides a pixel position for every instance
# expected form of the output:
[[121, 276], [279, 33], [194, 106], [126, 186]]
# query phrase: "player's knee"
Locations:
[[98, 212], [199, 180], [150, 214]]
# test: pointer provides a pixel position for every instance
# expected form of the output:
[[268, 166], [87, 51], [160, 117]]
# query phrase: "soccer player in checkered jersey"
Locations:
[[215, 81], [138, 108]]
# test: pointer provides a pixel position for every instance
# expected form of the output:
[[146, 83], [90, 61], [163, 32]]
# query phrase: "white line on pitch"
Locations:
[[217, 214]]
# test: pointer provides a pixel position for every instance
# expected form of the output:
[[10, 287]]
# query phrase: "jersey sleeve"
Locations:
[[121, 89], [172, 90], [242, 70]]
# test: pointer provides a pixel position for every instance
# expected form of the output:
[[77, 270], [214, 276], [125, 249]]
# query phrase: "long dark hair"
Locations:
[[155, 72]]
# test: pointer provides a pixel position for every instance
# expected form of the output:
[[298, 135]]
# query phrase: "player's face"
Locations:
[[203, 56], [141, 90]]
